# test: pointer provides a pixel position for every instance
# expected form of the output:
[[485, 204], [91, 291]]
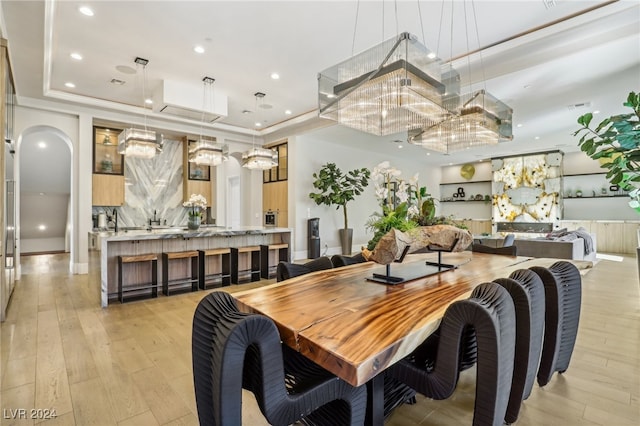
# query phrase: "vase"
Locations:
[[194, 222], [346, 237]]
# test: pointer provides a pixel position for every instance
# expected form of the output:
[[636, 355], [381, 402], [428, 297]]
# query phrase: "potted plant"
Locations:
[[616, 143], [336, 188], [196, 203]]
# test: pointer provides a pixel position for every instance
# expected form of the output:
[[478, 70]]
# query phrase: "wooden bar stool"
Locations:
[[282, 255], [138, 288], [183, 282], [254, 269], [223, 277]]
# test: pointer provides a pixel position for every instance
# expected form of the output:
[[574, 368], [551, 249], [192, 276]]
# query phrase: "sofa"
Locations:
[[554, 248], [557, 249]]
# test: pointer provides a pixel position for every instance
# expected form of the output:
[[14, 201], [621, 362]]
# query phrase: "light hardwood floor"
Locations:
[[131, 364]]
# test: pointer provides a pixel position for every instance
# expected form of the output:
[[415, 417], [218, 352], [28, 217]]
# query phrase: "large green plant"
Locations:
[[616, 143], [337, 188]]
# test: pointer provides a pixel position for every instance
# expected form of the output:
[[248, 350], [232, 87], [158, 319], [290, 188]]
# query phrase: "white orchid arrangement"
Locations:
[[386, 177], [195, 203]]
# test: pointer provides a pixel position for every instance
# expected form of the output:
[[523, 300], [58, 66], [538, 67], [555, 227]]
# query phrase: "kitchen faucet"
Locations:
[[114, 218], [155, 220]]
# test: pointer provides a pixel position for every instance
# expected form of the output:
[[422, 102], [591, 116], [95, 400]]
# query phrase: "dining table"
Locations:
[[356, 328]]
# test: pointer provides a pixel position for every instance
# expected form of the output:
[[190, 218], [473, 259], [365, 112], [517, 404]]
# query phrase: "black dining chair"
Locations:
[[506, 251], [527, 291], [563, 295], [286, 270], [232, 350], [490, 313], [339, 260]]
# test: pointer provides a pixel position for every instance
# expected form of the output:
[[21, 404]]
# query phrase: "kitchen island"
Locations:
[[174, 239]]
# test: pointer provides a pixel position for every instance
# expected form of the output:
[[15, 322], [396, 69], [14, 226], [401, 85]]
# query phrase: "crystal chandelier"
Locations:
[[205, 151], [482, 120], [259, 158], [141, 143], [479, 118], [208, 152], [392, 87]]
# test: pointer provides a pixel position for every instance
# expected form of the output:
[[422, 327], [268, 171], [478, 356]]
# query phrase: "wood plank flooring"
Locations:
[[131, 364]]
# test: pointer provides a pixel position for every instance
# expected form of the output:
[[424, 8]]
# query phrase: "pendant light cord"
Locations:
[[144, 98], [355, 27]]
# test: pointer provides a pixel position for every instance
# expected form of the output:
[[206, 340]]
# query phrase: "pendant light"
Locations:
[[141, 143], [258, 158], [207, 151]]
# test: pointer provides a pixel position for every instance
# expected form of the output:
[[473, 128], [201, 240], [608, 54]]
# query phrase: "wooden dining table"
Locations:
[[356, 328]]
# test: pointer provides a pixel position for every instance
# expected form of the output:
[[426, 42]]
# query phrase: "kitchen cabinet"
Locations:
[[108, 190], [108, 168], [197, 179], [275, 198], [477, 227], [106, 159]]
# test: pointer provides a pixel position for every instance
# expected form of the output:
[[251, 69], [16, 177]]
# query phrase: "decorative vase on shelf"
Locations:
[[194, 222]]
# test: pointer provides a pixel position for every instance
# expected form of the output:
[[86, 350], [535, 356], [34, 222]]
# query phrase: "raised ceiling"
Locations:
[[539, 60]]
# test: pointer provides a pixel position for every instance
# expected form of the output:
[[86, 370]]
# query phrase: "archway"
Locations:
[[44, 181]]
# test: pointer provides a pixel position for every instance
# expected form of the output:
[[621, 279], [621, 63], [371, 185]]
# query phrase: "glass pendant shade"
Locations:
[[139, 143], [481, 120], [260, 158], [392, 87], [208, 153]]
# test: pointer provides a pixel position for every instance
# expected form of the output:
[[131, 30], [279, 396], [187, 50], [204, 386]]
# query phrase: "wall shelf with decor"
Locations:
[[106, 159]]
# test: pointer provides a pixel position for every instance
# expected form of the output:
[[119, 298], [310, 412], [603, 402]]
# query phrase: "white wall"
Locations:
[[42, 245], [307, 153]]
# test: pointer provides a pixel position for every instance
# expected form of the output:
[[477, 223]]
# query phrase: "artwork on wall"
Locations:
[[526, 190]]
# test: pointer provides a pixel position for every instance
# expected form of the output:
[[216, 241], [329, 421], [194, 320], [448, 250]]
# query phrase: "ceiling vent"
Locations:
[[579, 105], [186, 101]]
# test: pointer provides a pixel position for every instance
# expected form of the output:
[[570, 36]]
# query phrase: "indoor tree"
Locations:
[[337, 188]]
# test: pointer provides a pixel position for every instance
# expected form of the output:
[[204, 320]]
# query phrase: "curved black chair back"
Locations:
[[563, 295], [527, 291], [286, 270], [232, 350], [490, 311], [507, 251], [339, 260]]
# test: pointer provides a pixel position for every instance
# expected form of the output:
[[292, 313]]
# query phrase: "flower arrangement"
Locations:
[[405, 204], [195, 203]]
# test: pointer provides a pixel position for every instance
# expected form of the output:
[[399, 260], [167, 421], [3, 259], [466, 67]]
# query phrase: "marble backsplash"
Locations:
[[153, 188]]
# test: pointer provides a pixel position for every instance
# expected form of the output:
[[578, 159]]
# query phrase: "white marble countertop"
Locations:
[[183, 232]]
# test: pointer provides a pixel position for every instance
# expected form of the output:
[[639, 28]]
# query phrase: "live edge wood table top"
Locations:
[[356, 328]]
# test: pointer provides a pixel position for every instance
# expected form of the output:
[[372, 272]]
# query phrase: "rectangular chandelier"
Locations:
[[208, 152], [481, 120], [260, 158], [392, 87], [139, 143]]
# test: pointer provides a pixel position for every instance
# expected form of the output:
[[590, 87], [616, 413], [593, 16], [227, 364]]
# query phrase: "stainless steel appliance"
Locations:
[[270, 218]]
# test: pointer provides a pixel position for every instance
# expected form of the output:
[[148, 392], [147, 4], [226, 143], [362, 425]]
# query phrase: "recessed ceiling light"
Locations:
[[148, 101], [76, 56], [288, 112], [86, 11], [519, 125], [42, 227], [399, 146], [42, 144], [70, 85], [428, 153], [596, 111], [42, 193], [275, 75], [258, 124], [537, 137], [198, 49], [431, 55]]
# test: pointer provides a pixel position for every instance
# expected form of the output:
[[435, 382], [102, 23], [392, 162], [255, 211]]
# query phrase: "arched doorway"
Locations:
[[44, 202]]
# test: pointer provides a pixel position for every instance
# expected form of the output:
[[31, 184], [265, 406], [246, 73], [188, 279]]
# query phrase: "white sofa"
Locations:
[[541, 247]]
